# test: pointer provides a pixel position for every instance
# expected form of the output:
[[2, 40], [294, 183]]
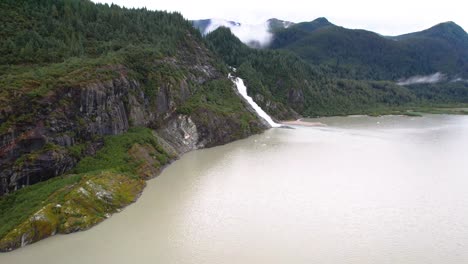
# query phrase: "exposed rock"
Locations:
[[96, 197], [83, 114], [40, 167], [182, 134], [103, 104], [80, 113], [86, 204]]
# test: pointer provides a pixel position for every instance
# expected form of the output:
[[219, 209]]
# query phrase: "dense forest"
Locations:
[[54, 30], [318, 89], [361, 54]]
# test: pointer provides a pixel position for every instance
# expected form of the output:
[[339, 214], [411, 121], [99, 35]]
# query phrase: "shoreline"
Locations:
[[42, 223], [299, 122]]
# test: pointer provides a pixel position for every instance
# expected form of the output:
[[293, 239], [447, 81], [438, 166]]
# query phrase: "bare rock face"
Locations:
[[39, 150], [102, 103], [44, 137], [182, 133], [43, 167]]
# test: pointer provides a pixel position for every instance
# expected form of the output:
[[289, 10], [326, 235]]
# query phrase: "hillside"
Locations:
[[97, 94], [279, 79], [118, 77], [361, 54]]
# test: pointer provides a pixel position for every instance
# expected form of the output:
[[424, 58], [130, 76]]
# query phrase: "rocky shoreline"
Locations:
[[97, 196]]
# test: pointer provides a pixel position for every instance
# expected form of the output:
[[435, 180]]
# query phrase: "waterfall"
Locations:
[[243, 91]]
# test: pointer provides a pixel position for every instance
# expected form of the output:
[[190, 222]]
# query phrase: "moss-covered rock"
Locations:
[[106, 182], [77, 207]]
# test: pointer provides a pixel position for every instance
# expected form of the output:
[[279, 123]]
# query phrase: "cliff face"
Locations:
[[78, 116], [72, 126]]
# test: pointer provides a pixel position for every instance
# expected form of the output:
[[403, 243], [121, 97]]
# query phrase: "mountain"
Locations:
[[445, 31], [362, 54], [94, 99], [318, 23], [281, 81], [278, 24]]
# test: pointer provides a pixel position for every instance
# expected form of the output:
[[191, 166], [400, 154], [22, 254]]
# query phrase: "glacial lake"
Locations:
[[361, 190]]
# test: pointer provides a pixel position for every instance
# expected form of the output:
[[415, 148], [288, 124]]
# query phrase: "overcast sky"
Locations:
[[390, 17]]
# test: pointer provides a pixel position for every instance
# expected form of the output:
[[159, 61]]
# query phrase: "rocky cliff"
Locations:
[[71, 127], [42, 147]]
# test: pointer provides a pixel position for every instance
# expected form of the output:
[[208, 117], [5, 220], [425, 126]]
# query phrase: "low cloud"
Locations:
[[257, 36], [459, 80], [433, 78]]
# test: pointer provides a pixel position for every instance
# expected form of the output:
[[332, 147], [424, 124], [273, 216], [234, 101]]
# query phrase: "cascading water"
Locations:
[[243, 91]]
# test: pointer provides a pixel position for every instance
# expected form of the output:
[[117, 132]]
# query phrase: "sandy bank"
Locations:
[[299, 122]]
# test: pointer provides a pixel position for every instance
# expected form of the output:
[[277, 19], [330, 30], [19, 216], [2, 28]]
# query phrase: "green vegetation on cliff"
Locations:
[[114, 154], [59, 43], [76, 79], [55, 44], [103, 183], [15, 208]]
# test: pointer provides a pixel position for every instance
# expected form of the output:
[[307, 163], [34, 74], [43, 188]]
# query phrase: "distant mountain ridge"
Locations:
[[279, 80], [447, 30], [362, 54]]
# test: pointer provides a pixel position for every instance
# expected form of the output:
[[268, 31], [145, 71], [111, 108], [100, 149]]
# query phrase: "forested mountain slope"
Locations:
[[282, 76], [361, 54]]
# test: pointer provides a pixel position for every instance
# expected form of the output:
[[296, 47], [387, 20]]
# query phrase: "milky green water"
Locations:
[[361, 190]]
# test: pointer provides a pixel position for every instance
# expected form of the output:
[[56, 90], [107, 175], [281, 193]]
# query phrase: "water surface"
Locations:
[[360, 190]]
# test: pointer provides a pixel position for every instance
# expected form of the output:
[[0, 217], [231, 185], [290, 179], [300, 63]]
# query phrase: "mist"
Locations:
[[459, 80], [257, 36], [433, 78]]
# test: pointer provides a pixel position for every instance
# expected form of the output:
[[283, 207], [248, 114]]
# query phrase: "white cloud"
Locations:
[[385, 17], [246, 33], [459, 80], [433, 78]]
